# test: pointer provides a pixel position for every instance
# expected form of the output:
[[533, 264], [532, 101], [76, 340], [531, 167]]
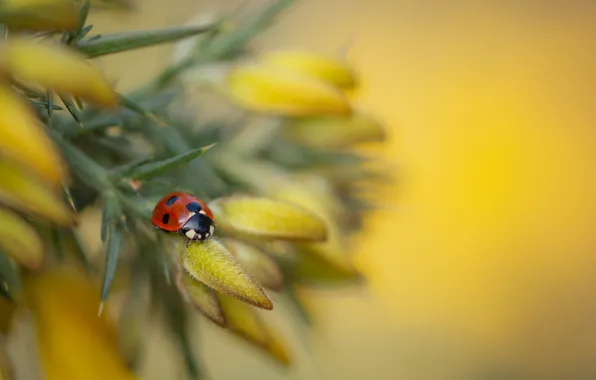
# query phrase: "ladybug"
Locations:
[[185, 214]]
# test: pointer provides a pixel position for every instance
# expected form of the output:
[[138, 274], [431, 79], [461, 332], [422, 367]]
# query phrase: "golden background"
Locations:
[[482, 258]]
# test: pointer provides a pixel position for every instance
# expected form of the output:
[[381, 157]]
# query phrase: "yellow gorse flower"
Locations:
[[32, 168], [283, 91], [73, 341], [39, 14], [328, 69]]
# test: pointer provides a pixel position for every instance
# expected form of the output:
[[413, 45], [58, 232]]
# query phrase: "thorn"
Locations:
[[101, 305]]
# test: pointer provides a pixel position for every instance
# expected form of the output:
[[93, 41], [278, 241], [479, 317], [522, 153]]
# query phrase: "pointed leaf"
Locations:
[[26, 193], [267, 218], [83, 13], [111, 224], [63, 70], [154, 169], [119, 117], [136, 107], [49, 103], [212, 264], [72, 109], [257, 264], [116, 43], [39, 14], [19, 240], [114, 241], [248, 324], [22, 138], [202, 297]]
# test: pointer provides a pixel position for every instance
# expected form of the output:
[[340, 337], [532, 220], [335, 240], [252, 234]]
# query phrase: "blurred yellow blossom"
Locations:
[[57, 68], [74, 342], [23, 139], [335, 131], [27, 193], [39, 14], [267, 218], [19, 240], [328, 69], [281, 91]]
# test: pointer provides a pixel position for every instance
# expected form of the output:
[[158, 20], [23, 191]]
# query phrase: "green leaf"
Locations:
[[154, 169], [138, 108], [110, 214], [114, 241], [84, 32], [83, 13], [112, 236], [72, 108], [116, 43], [108, 119], [81, 165], [50, 103], [212, 264]]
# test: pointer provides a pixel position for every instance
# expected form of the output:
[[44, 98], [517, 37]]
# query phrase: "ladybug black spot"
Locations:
[[165, 218], [172, 200], [194, 207]]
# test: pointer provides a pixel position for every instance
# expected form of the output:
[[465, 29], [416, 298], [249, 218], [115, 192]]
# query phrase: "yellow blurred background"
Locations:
[[482, 260]]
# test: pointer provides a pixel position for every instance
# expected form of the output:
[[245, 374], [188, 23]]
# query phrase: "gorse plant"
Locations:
[[277, 168]]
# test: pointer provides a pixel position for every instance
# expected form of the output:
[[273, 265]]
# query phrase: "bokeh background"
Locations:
[[482, 260]]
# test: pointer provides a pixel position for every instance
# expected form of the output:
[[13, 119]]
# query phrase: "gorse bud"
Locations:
[[284, 92], [328, 69]]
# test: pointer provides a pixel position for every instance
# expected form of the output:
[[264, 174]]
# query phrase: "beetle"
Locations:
[[185, 214]]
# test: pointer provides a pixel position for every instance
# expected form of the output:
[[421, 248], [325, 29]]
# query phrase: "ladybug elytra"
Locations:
[[185, 214]]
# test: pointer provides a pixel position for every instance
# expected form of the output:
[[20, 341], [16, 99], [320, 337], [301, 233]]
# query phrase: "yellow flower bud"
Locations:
[[212, 264], [39, 14], [23, 139], [328, 69], [311, 194], [19, 240], [25, 192], [257, 263], [56, 67], [280, 91], [335, 132], [267, 218], [74, 342], [201, 296], [248, 324]]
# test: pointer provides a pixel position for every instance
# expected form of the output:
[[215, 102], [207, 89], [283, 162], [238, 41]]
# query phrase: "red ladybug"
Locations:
[[183, 213]]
